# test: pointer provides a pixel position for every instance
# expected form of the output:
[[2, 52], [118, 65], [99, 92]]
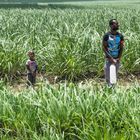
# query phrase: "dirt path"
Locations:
[[126, 81]]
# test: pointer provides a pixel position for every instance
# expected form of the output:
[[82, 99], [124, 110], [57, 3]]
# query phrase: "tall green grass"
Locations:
[[70, 111], [67, 41]]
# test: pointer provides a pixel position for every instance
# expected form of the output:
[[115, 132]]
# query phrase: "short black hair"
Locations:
[[31, 52], [112, 21]]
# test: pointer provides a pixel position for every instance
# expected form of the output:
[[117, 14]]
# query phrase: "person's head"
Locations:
[[113, 23], [31, 54]]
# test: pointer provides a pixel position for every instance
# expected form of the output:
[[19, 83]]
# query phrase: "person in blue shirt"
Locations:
[[113, 43]]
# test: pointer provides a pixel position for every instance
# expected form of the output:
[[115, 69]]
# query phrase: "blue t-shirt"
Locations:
[[113, 42]]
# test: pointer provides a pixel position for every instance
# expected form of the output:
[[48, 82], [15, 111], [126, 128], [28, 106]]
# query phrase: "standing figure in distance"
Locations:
[[31, 66], [113, 43]]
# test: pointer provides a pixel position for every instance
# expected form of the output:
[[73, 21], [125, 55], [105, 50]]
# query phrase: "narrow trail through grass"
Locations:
[[125, 81]]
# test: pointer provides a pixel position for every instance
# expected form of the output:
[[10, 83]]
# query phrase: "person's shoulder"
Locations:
[[35, 61], [107, 33], [120, 34], [28, 61], [105, 37]]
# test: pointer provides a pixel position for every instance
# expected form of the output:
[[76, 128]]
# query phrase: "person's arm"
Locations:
[[35, 70], [27, 66], [121, 47]]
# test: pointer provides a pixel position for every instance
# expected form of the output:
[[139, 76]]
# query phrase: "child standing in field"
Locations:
[[31, 66]]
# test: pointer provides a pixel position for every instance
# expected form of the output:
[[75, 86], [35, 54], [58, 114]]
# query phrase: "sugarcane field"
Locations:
[[69, 70]]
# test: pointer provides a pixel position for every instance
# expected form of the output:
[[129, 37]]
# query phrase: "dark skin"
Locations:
[[113, 29]]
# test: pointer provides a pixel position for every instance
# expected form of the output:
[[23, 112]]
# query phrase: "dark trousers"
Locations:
[[31, 79]]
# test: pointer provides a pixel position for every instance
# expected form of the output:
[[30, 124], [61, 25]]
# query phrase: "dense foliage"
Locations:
[[70, 111], [67, 41]]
